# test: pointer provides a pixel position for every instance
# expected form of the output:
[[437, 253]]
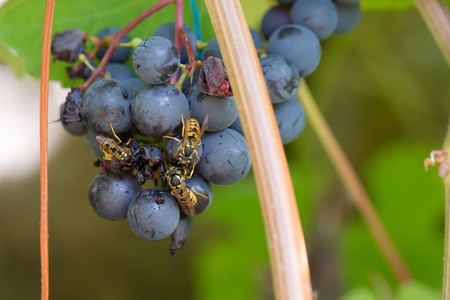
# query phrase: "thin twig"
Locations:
[[289, 262], [353, 185], [45, 74], [436, 15], [118, 36]]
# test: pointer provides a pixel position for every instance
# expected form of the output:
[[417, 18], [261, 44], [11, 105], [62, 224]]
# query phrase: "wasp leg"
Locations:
[[120, 141], [173, 138], [198, 193]]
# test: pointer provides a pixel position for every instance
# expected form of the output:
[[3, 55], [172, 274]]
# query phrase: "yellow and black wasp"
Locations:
[[112, 149], [186, 196], [190, 139]]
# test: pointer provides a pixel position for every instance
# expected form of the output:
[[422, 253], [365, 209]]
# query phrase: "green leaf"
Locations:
[[22, 21], [410, 203], [417, 291], [360, 293], [385, 5]]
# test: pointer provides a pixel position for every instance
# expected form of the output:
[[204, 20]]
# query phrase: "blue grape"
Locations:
[[274, 18], [213, 49], [281, 77], [92, 143], [107, 100], [181, 233], [120, 72], [349, 17], [75, 128], [226, 158], [155, 110], [153, 215], [133, 85], [237, 126], [202, 187], [308, 52], [349, 2], [167, 31], [111, 194], [222, 111], [285, 2], [156, 60], [318, 15], [290, 119], [121, 54], [187, 82]]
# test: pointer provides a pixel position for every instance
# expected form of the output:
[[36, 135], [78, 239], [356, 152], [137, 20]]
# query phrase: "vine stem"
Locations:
[[43, 129], [289, 261], [353, 185], [436, 15]]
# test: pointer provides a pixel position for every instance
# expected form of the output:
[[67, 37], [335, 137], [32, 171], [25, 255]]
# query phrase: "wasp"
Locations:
[[186, 196], [111, 149], [191, 138]]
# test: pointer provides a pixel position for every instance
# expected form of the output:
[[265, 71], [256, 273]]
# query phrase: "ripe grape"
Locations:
[[237, 126], [155, 110], [120, 72], [306, 56], [181, 233], [274, 18], [133, 85], [167, 31], [213, 49], [75, 128], [318, 15], [111, 194], [120, 54], [153, 214], [281, 77], [226, 158], [290, 118], [107, 100], [222, 111], [349, 17], [92, 143], [202, 187], [156, 60]]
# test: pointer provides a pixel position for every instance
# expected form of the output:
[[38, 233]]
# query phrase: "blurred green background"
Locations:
[[384, 90]]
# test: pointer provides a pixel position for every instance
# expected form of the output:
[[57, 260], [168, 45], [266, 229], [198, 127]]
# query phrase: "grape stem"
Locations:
[[353, 185], [115, 42], [43, 128], [436, 15], [285, 239]]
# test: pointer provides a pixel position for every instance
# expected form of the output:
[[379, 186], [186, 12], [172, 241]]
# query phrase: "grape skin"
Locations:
[[120, 72], [156, 60], [121, 54], [308, 50], [111, 194], [167, 31], [318, 15], [290, 117], [106, 100], [202, 187], [153, 214], [222, 111], [155, 110], [281, 77], [226, 159], [349, 17], [274, 18]]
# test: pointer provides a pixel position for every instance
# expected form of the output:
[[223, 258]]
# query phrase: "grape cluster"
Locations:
[[181, 137]]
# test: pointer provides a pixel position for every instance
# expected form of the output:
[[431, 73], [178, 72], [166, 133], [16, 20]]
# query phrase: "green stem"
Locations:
[[353, 185]]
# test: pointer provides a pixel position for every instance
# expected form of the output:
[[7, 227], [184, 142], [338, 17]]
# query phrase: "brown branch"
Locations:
[[118, 36], [436, 15], [289, 262], [353, 185], [43, 129]]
